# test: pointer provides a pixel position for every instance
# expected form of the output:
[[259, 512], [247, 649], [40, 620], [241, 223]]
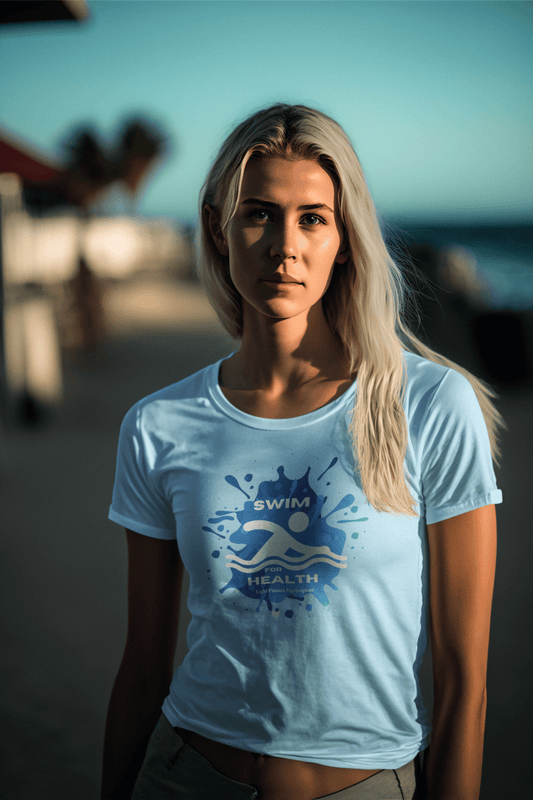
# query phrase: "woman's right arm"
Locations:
[[155, 572]]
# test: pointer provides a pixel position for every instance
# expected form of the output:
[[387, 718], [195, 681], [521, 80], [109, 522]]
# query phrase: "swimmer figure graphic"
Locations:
[[276, 549]]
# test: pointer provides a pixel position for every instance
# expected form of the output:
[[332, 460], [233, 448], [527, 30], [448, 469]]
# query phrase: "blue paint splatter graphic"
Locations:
[[330, 466], [288, 549], [210, 530], [234, 482]]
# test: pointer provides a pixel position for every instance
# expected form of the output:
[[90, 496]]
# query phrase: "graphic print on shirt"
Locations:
[[288, 550]]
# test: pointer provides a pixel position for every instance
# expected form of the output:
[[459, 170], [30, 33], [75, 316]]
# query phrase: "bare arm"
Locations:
[[462, 567], [155, 573]]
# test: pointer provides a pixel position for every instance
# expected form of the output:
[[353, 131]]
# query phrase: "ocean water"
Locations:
[[500, 256]]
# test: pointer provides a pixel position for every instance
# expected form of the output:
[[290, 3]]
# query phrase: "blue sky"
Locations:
[[436, 96]]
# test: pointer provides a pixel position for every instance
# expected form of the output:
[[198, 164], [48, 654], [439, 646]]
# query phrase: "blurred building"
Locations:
[[56, 257], [62, 238]]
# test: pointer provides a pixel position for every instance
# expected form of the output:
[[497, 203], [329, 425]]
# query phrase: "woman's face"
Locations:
[[284, 238]]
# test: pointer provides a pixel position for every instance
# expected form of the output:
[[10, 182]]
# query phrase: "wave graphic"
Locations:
[[293, 567]]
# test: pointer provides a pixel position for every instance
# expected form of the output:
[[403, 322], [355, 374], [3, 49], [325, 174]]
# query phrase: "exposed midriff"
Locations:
[[275, 778]]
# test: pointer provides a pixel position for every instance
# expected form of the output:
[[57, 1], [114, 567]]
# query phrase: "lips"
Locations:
[[277, 277]]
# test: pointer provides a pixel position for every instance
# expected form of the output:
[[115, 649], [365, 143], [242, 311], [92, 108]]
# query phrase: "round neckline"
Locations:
[[267, 423]]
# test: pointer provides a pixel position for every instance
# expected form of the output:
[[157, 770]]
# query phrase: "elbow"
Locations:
[[146, 675], [457, 675], [460, 693]]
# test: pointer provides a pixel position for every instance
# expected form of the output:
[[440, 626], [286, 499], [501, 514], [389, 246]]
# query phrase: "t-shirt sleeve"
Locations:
[[456, 463], [138, 503]]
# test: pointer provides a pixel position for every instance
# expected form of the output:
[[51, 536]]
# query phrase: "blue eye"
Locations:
[[319, 221]]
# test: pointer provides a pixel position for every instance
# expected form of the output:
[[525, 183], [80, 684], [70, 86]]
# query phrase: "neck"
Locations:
[[281, 355]]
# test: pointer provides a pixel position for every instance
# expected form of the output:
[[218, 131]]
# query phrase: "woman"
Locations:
[[309, 483]]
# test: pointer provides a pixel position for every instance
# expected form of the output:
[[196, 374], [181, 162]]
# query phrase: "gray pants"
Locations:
[[172, 770]]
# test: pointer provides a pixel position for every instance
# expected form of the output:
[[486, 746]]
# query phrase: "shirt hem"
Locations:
[[366, 761], [438, 515]]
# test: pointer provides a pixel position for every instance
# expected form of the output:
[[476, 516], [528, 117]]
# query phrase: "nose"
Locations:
[[284, 242]]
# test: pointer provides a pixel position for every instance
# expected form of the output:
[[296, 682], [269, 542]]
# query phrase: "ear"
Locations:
[[211, 217], [343, 257]]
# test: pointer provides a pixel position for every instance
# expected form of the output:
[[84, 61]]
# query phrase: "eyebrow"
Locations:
[[253, 201]]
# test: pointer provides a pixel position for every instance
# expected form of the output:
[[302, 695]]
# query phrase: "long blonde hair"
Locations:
[[364, 301]]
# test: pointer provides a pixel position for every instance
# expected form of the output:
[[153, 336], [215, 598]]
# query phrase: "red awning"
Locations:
[[17, 158]]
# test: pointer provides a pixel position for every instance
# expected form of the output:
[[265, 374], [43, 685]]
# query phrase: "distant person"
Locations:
[[309, 483]]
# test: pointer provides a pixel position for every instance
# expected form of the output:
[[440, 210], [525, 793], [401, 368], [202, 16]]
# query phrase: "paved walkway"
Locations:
[[63, 569]]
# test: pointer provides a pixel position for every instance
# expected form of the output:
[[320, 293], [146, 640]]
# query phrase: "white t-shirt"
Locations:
[[309, 607]]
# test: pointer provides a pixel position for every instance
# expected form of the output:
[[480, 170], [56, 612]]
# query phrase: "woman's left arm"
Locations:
[[462, 552]]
